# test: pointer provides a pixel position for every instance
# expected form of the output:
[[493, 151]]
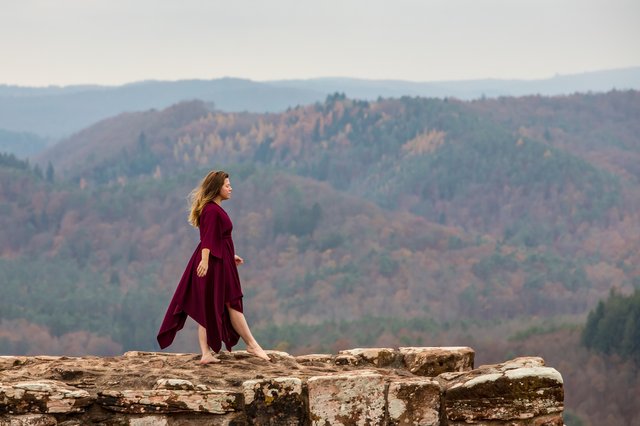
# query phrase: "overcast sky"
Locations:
[[62, 42]]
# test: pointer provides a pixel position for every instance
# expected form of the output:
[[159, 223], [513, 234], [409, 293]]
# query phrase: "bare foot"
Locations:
[[256, 350], [209, 359]]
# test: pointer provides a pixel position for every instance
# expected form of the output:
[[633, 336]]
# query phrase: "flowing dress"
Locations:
[[205, 299]]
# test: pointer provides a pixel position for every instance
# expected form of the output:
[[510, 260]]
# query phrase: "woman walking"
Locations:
[[209, 290]]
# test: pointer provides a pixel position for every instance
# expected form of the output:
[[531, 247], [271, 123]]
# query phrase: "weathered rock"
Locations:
[[50, 357], [316, 358], [149, 421], [276, 401], [42, 396], [347, 360], [11, 361], [431, 362], [414, 402], [273, 355], [277, 355], [354, 398], [28, 420], [170, 401], [231, 419], [134, 354], [380, 357], [181, 420], [520, 392], [178, 384], [354, 387]]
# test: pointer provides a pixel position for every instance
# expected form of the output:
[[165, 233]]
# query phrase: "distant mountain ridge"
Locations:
[[56, 112], [596, 81]]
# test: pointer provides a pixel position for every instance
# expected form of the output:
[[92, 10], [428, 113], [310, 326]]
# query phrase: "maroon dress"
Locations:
[[205, 298]]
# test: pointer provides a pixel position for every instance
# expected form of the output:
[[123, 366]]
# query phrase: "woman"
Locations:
[[209, 290]]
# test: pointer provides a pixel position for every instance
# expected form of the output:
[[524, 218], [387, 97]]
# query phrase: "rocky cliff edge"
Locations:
[[364, 386]]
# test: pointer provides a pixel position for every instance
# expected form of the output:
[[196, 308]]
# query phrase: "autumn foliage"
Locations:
[[398, 222]]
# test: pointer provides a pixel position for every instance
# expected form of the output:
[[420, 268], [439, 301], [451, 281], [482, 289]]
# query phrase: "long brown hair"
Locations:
[[205, 193]]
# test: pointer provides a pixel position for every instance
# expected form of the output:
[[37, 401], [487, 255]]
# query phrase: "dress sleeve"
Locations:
[[210, 231]]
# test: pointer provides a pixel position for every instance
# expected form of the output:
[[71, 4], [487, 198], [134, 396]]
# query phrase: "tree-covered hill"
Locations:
[[394, 222], [401, 207], [447, 161], [313, 253], [91, 250], [603, 129]]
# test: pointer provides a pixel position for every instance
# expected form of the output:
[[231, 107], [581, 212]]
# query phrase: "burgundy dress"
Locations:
[[205, 298]]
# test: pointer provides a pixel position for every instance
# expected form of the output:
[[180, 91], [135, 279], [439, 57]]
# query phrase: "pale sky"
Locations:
[[63, 42]]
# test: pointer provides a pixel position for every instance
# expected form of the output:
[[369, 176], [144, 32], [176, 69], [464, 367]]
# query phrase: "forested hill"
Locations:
[[487, 166], [413, 209], [496, 223]]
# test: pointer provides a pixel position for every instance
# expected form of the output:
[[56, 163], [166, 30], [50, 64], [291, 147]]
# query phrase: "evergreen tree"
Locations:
[[49, 173], [614, 326], [38, 171]]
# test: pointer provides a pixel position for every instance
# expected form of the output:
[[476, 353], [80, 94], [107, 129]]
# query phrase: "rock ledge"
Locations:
[[362, 386]]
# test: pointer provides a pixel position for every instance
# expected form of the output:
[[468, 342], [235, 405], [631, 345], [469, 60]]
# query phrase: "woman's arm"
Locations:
[[203, 266]]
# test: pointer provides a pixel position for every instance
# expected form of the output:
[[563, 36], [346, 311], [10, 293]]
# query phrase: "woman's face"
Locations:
[[225, 191]]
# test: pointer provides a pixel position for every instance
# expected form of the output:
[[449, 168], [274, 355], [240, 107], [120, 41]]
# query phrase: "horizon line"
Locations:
[[280, 80]]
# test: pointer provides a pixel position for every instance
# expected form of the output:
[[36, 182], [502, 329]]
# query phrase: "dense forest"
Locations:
[[498, 224], [614, 326]]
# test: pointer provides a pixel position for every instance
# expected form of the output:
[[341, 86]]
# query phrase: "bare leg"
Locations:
[[240, 325], [207, 356]]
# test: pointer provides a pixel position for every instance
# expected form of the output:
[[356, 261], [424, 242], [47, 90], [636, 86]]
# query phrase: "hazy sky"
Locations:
[[63, 42]]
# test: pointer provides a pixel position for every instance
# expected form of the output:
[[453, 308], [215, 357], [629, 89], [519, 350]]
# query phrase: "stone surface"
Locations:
[[29, 420], [277, 401], [133, 354], [11, 361], [414, 402], [380, 357], [149, 421], [178, 384], [347, 360], [354, 387], [316, 358], [356, 398], [170, 401], [277, 355], [42, 396], [181, 420], [521, 392], [431, 362]]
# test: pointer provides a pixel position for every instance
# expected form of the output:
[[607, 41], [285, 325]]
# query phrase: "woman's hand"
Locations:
[[239, 260], [203, 267]]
